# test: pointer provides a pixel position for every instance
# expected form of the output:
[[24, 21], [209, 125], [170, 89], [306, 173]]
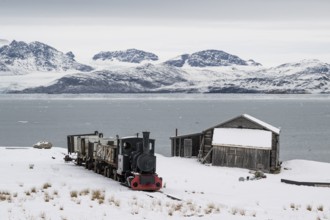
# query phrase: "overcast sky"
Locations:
[[269, 31]]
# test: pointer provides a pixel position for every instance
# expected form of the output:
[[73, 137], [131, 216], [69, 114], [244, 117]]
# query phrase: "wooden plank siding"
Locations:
[[255, 159]]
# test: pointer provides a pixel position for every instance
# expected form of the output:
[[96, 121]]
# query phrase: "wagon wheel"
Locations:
[[95, 167], [108, 172], [90, 165]]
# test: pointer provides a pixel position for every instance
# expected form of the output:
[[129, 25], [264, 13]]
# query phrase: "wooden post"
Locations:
[[179, 147]]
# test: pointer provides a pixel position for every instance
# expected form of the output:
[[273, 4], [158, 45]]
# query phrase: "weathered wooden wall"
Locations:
[[256, 159]]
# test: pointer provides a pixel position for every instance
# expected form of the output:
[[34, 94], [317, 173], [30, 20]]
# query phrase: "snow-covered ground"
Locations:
[[38, 184]]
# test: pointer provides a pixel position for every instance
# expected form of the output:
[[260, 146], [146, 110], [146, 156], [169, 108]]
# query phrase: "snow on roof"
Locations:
[[238, 137], [264, 124]]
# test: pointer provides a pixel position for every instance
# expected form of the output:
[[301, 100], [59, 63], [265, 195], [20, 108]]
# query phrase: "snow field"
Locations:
[[38, 184]]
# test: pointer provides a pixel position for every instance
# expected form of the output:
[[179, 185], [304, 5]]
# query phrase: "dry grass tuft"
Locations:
[[135, 211], [177, 207], [117, 203], [292, 206], [96, 194], [33, 190], [74, 194], [42, 215], [113, 200], [46, 197], [84, 192], [5, 195], [46, 185], [309, 208], [209, 208], [320, 208], [234, 211]]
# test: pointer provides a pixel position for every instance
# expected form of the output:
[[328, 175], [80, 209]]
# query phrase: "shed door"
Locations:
[[187, 145], [235, 157]]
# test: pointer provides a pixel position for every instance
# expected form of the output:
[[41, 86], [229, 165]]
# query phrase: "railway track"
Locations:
[[167, 195]]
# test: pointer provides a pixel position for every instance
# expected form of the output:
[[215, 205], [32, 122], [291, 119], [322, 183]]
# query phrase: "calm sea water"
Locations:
[[27, 119]]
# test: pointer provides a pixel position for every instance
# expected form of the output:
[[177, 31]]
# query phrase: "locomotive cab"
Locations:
[[137, 163]]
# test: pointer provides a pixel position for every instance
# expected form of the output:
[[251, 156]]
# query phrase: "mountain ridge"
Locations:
[[162, 78], [209, 58], [210, 71], [20, 57], [129, 56]]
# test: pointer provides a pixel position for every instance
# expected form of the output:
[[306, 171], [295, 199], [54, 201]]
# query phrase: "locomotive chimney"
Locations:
[[146, 141]]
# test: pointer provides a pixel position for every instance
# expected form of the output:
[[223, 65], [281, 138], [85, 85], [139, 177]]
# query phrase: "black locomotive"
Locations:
[[129, 160]]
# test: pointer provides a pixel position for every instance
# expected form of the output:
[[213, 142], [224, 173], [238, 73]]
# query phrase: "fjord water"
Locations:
[[27, 119]]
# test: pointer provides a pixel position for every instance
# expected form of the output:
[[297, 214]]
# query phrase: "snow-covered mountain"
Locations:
[[128, 56], [209, 58], [3, 67], [146, 78], [311, 77], [20, 58], [208, 71]]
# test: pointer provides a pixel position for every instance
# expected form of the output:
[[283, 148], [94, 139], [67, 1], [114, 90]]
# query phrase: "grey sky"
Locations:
[[270, 31], [170, 10]]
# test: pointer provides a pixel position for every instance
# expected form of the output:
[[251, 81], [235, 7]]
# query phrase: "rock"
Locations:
[[43, 145]]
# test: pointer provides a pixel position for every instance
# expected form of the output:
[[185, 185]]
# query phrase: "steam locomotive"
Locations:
[[129, 160]]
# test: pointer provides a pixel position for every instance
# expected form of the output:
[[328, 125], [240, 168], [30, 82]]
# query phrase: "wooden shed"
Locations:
[[243, 141]]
